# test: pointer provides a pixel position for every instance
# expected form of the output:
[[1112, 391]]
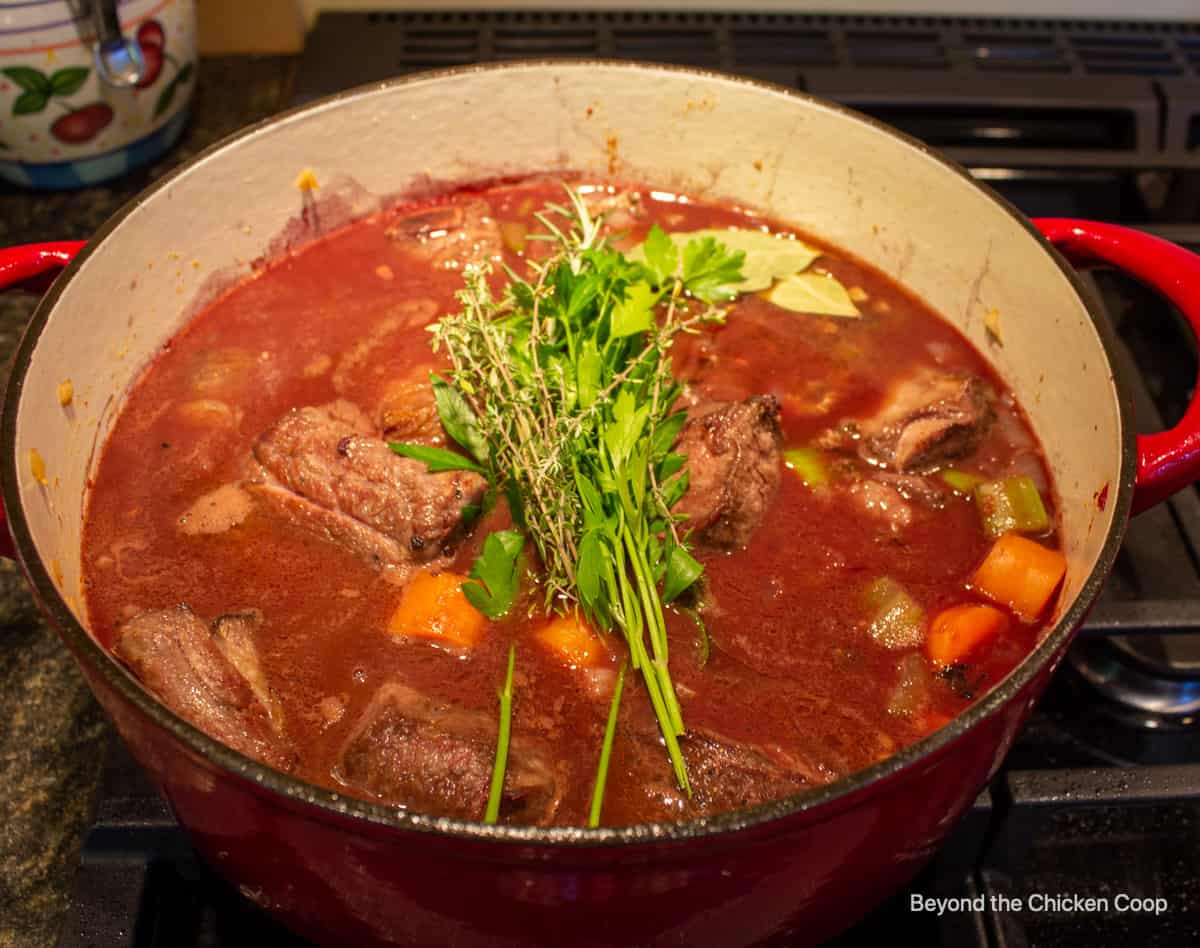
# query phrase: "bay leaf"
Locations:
[[813, 293], [768, 258]]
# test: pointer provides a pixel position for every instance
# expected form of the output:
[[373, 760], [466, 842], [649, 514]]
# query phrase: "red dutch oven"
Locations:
[[345, 871]]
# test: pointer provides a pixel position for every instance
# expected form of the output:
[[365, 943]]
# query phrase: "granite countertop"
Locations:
[[54, 734]]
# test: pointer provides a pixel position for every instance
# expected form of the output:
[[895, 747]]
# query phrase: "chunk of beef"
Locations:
[[324, 468], [881, 502], [432, 757], [894, 499], [620, 214], [448, 236], [927, 419], [211, 676], [733, 468], [217, 511], [234, 633], [726, 774]]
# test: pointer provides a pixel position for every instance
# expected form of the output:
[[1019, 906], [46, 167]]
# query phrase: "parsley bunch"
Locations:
[[561, 393]]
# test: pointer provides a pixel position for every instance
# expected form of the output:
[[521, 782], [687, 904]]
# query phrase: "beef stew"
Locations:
[[863, 495]]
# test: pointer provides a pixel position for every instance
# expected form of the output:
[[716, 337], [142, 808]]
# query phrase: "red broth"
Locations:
[[790, 670]]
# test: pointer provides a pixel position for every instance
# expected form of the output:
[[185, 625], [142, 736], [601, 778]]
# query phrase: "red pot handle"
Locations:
[[32, 266], [1169, 460]]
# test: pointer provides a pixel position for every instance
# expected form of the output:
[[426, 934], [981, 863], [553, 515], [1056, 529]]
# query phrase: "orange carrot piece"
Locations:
[[572, 640], [957, 632], [1020, 573], [433, 607]]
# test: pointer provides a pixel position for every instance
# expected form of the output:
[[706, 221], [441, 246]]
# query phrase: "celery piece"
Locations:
[[809, 463], [897, 621], [1012, 505], [962, 481], [913, 688]]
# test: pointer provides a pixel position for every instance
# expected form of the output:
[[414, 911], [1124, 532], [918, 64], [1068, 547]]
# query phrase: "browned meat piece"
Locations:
[[727, 774], [217, 511], [621, 213], [234, 632], [209, 676], [912, 487], [733, 469], [895, 498], [881, 502], [414, 752], [324, 468], [448, 236], [928, 419]]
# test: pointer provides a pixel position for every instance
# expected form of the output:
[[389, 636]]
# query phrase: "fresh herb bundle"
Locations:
[[561, 393]]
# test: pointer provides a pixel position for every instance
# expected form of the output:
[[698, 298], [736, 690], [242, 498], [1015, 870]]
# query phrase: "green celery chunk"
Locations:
[[809, 463], [912, 691], [1012, 505], [962, 481], [897, 621]]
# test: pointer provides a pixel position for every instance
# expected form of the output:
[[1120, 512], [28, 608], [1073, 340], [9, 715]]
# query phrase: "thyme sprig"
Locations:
[[561, 390]]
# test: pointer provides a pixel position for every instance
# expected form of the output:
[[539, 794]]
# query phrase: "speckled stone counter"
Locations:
[[52, 733]]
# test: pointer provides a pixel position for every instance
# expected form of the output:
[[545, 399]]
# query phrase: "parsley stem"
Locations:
[[501, 763], [610, 729], [656, 627]]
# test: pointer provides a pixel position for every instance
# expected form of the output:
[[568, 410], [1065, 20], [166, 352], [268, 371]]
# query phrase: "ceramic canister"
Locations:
[[61, 124]]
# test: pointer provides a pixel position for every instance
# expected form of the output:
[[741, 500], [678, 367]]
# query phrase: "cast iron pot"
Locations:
[[344, 871]]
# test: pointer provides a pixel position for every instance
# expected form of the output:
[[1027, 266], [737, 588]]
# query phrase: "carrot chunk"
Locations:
[[1021, 574], [433, 607], [957, 632], [572, 640]]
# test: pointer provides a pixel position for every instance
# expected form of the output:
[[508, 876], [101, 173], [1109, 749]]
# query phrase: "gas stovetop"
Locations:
[[1090, 833], [1087, 93]]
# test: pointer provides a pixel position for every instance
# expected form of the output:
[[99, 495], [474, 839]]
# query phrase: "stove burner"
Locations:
[[1143, 672]]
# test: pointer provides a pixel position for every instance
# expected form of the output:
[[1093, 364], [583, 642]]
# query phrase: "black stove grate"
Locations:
[[1060, 92]]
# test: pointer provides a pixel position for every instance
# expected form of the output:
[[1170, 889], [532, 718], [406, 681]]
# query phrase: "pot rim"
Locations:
[[329, 804]]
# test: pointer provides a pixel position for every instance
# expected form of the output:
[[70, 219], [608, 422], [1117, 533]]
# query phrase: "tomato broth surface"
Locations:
[[782, 684]]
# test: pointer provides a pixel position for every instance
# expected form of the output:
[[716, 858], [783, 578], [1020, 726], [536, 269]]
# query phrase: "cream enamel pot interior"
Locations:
[[346, 871]]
